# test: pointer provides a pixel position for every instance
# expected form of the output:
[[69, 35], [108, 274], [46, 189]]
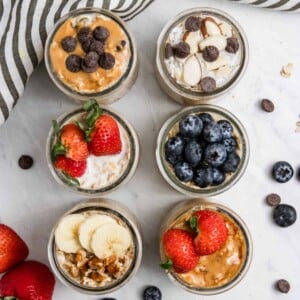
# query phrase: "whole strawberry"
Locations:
[[179, 248], [29, 280], [71, 167], [12, 248], [212, 231]]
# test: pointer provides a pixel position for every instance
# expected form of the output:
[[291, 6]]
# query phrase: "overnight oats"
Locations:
[[201, 54], [90, 53], [95, 248], [205, 247], [92, 150]]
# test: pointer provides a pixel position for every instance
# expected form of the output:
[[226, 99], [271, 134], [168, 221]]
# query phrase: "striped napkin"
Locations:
[[24, 26]]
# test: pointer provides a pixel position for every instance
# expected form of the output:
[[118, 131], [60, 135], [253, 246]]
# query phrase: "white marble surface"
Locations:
[[31, 201]]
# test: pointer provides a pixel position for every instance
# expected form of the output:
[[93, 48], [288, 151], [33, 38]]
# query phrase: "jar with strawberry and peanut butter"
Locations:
[[205, 247], [91, 53], [201, 54]]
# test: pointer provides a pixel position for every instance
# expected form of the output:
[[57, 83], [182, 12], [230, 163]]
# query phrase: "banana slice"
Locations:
[[66, 233], [110, 239], [89, 226]]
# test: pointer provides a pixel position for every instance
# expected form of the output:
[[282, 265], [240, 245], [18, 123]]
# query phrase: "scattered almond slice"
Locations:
[[218, 41], [286, 70], [209, 27], [223, 71], [226, 29], [192, 71], [217, 64], [193, 38]]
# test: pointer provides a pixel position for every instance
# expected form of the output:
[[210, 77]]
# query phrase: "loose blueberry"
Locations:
[[152, 293], [282, 171], [174, 145], [231, 163], [184, 171], [226, 128], [206, 118], [190, 126], [212, 132], [25, 162], [218, 176], [215, 154], [284, 215], [193, 153], [69, 43], [203, 176], [230, 144]]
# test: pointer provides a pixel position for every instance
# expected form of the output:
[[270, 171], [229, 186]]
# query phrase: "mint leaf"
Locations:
[[193, 223], [71, 181], [88, 104], [167, 265]]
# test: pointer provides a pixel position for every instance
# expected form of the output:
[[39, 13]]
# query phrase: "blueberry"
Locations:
[[282, 171], [231, 163], [69, 43], [173, 159], [73, 63], [190, 126], [152, 293], [107, 61], [84, 34], [212, 132], [174, 145], [202, 144], [226, 128], [203, 176], [218, 176], [284, 215], [101, 33], [193, 153], [96, 46], [206, 118], [184, 171], [215, 154], [230, 144]]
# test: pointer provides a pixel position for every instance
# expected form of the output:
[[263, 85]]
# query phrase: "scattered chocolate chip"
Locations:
[[283, 286], [106, 61], [181, 50], [86, 45], [69, 43], [168, 51], [91, 59], [232, 45], [121, 46], [97, 46], [208, 84], [73, 63], [273, 199], [84, 34], [25, 162], [101, 33], [192, 23], [123, 43], [267, 105], [210, 53]]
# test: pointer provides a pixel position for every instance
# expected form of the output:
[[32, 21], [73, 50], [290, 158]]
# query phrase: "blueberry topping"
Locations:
[[73, 63], [203, 176], [226, 128], [184, 171], [212, 132], [284, 215], [193, 153], [101, 33], [230, 144], [175, 145], [69, 43], [86, 45], [84, 34], [218, 176], [190, 126], [172, 158], [87, 69], [106, 61], [96, 46], [282, 171], [215, 154], [152, 293], [91, 59], [231, 163], [206, 118]]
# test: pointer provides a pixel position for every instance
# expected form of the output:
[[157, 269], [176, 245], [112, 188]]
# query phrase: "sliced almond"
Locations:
[[223, 71], [286, 71], [226, 29], [218, 41], [193, 38], [217, 64], [209, 27], [192, 71]]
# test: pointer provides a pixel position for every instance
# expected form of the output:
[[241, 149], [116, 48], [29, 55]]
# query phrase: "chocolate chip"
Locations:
[[273, 199], [232, 45], [210, 53], [106, 61], [192, 23], [97, 46], [87, 69], [91, 59], [121, 46], [84, 34], [25, 162], [267, 105], [168, 51], [69, 43], [73, 63], [101, 33], [181, 50], [283, 286], [86, 45], [208, 84], [123, 43]]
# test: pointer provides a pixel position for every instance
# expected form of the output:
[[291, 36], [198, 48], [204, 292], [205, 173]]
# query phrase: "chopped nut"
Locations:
[[286, 70]]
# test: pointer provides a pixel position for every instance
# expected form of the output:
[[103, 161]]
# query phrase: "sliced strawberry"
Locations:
[[72, 167], [212, 232], [179, 248]]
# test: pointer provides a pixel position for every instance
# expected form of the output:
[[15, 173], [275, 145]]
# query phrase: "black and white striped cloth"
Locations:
[[23, 30]]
